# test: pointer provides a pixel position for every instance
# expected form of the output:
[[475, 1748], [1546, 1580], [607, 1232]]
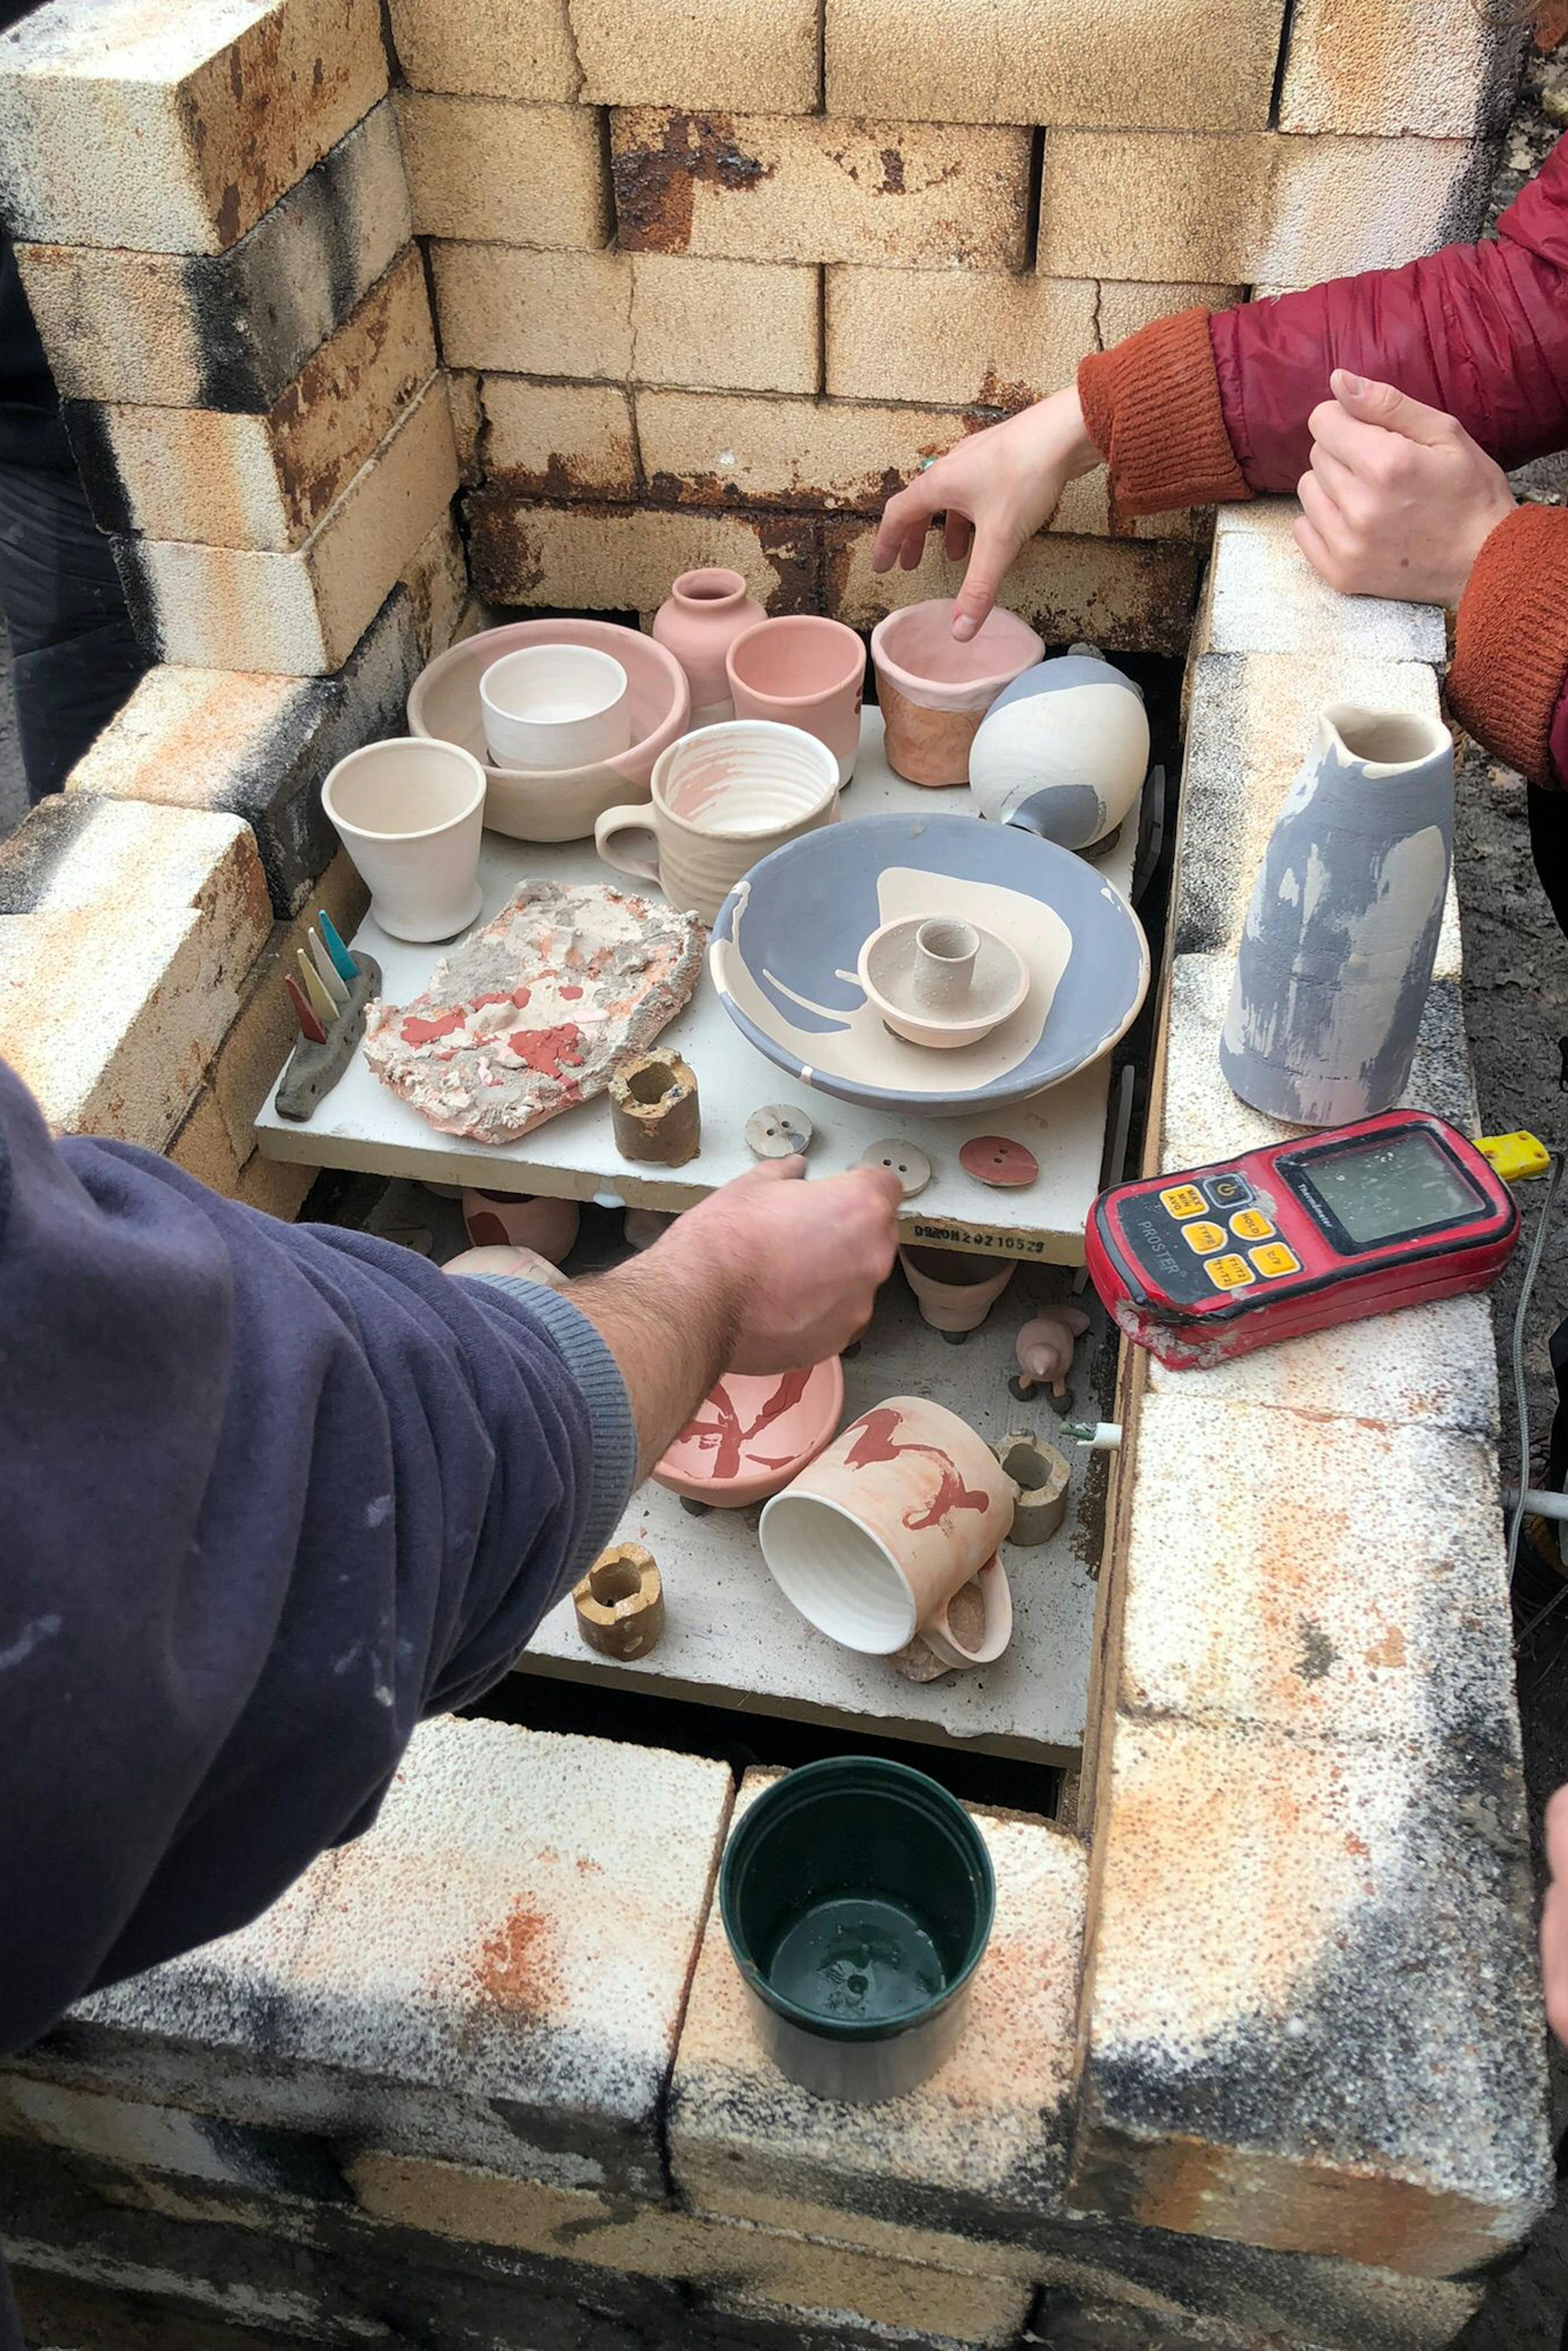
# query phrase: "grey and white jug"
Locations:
[[1336, 956]]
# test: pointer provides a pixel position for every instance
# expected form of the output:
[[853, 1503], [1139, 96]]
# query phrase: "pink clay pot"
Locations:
[[521, 1220], [933, 692], [751, 1435], [698, 621], [803, 671]]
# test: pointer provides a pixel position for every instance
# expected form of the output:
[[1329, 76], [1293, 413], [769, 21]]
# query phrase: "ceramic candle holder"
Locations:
[[751, 1435], [698, 621], [722, 799], [802, 671], [940, 982], [411, 814], [933, 692], [549, 706], [872, 1540]]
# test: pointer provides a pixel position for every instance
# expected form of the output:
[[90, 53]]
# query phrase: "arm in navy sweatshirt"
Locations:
[[268, 1495]]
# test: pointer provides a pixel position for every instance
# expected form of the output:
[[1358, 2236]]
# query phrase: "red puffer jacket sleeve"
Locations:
[[1204, 408]]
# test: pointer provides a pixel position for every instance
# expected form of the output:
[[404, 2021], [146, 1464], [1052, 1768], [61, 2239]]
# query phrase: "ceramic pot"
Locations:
[[954, 1290], [941, 983], [802, 671], [933, 692], [698, 621], [410, 815], [1062, 751], [552, 707], [523, 1220], [1336, 955], [722, 799], [872, 1540], [857, 1898], [750, 1435]]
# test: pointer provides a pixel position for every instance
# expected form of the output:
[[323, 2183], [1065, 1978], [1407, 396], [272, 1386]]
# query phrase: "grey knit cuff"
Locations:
[[612, 1432]]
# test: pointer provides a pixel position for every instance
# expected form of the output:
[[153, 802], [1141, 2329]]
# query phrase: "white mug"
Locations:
[[411, 812], [722, 799]]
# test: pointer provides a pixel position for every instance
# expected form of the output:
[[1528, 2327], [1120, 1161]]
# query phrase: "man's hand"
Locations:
[[1555, 1916], [997, 489], [1399, 499], [800, 1263]]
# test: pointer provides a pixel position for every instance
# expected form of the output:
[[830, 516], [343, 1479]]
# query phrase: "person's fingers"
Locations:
[[1313, 547], [1371, 403], [1343, 485], [1557, 1833], [908, 509], [1356, 443], [775, 1170], [913, 553], [881, 1183], [988, 562], [956, 537], [1321, 511]]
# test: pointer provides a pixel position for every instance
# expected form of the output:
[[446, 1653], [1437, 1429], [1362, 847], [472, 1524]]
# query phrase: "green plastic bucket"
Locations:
[[858, 1897]]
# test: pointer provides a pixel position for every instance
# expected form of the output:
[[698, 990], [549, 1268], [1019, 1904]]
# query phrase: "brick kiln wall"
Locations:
[[663, 284]]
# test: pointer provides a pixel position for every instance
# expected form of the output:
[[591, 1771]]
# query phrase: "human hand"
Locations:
[[997, 489], [803, 1261], [1399, 499], [1555, 1916]]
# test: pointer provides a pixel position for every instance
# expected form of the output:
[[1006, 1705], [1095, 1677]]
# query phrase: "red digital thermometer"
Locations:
[[1216, 1261]]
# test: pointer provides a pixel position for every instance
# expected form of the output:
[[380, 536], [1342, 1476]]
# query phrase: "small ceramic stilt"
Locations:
[[1040, 1474], [654, 1110], [619, 1603]]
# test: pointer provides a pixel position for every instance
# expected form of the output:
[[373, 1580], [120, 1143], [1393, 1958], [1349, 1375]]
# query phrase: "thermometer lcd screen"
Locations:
[[1380, 1191]]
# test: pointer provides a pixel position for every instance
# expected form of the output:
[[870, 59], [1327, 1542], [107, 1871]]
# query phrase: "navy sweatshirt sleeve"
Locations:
[[268, 1495]]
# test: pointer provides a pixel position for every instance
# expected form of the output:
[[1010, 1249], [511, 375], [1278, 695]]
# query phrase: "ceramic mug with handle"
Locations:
[[873, 1542], [722, 799]]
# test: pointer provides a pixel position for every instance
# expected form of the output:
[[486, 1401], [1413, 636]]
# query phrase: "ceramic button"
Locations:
[[998, 1160], [912, 1167], [777, 1131]]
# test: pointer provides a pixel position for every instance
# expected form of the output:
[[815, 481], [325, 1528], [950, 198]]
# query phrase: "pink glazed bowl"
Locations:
[[558, 803], [751, 1435], [933, 692]]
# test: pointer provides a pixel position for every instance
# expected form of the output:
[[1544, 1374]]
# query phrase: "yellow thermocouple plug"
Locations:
[[1514, 1158]]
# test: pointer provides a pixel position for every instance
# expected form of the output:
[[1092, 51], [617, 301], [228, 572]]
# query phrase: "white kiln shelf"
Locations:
[[361, 1125], [731, 1639]]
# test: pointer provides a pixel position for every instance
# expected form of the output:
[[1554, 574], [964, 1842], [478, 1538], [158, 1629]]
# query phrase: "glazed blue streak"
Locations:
[[809, 907]]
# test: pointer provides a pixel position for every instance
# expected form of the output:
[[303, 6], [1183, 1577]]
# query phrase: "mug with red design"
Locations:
[[873, 1542]]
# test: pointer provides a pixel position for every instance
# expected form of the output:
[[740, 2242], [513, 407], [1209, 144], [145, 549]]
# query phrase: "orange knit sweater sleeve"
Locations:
[[1153, 409], [1506, 683]]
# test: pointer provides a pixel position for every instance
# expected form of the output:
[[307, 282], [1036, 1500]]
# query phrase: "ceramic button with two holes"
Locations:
[[777, 1131], [999, 1161], [911, 1167]]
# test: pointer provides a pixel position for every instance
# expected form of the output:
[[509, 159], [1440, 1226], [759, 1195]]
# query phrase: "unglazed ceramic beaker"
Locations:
[[1336, 956], [411, 814], [933, 691], [699, 619], [803, 671]]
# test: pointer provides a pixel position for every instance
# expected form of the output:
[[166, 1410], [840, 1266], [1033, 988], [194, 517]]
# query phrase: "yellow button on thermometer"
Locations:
[[1251, 1225], [1228, 1272], [1184, 1200], [1203, 1238], [1275, 1259]]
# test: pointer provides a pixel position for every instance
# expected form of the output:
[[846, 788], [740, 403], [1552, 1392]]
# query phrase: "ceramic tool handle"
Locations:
[[634, 820]]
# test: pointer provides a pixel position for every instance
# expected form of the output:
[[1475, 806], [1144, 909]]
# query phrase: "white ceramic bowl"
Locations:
[[549, 706]]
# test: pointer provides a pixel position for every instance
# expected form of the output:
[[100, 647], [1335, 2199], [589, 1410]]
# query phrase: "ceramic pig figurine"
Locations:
[[1062, 751], [1044, 1350]]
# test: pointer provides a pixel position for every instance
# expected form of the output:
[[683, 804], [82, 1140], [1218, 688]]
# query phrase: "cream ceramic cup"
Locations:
[[722, 799], [551, 706], [872, 1542], [411, 813]]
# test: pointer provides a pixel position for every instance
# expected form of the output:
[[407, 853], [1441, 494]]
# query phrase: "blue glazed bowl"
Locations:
[[784, 944]]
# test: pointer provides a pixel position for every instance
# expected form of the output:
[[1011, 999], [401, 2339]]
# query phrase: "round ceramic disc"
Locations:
[[777, 1131], [912, 1167], [999, 1161]]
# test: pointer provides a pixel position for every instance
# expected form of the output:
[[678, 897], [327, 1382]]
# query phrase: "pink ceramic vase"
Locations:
[[698, 621]]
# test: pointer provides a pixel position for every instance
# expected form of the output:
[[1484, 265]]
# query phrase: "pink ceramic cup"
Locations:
[[872, 1540], [805, 672], [933, 692]]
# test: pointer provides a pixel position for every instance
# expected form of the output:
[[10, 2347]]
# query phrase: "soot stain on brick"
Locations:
[[892, 180], [505, 561], [1319, 1656], [92, 446], [655, 187]]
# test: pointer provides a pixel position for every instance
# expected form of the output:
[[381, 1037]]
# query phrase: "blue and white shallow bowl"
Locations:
[[1062, 751], [784, 944]]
